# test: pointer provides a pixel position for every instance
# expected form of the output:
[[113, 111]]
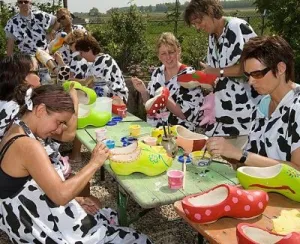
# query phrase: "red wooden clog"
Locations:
[[251, 234], [158, 102], [224, 200]]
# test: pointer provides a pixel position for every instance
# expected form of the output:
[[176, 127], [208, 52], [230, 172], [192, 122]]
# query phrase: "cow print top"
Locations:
[[30, 33], [189, 100], [31, 217], [8, 110], [79, 66], [106, 70], [276, 136], [234, 98], [65, 50]]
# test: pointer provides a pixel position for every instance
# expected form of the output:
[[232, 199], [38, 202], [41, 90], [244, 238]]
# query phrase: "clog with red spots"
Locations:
[[250, 234], [158, 102], [224, 200]]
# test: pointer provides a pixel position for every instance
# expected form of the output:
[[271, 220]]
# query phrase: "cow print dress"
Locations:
[[234, 98], [31, 217], [189, 100], [30, 33], [109, 78], [276, 136]]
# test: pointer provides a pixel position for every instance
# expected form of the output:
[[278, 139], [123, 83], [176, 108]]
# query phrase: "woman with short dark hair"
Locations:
[[275, 134]]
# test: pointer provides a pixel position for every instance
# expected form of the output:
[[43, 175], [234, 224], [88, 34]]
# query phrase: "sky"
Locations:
[[102, 5]]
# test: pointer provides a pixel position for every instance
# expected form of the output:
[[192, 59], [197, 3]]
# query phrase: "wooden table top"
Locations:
[[224, 230], [150, 192]]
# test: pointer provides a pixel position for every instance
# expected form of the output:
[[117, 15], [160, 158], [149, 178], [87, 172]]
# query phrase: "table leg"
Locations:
[[102, 174], [122, 207], [200, 239]]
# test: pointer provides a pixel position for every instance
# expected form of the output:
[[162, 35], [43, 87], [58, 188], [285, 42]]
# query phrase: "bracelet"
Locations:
[[244, 156]]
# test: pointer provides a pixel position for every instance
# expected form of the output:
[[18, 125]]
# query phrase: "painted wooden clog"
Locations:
[[85, 95], [139, 157], [117, 103], [280, 178], [158, 102], [189, 141], [191, 80], [251, 234], [86, 114], [224, 201]]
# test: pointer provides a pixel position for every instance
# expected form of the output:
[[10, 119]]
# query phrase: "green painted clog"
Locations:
[[85, 95], [280, 178], [88, 116], [139, 157]]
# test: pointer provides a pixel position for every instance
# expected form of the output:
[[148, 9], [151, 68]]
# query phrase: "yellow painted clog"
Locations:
[[139, 157]]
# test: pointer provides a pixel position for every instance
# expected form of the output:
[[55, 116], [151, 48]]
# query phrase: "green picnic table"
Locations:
[[150, 192]]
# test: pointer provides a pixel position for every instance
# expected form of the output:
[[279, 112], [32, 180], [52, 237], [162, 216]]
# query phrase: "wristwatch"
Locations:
[[221, 72], [244, 157]]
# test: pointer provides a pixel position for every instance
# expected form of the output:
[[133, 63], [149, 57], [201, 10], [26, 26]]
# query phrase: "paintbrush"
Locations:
[[184, 171]]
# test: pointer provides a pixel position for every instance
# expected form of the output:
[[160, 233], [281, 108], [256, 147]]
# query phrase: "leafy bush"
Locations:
[[283, 19], [123, 37]]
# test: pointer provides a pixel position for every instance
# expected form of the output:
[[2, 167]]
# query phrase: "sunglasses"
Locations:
[[23, 2], [34, 72], [61, 18], [257, 74]]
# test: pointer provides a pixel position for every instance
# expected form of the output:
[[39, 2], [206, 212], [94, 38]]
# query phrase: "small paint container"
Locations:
[[151, 141], [110, 144], [135, 130], [175, 179], [100, 134]]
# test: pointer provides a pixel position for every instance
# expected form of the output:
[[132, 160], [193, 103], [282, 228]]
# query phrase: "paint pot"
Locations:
[[110, 144], [100, 134], [175, 179], [151, 141], [135, 130]]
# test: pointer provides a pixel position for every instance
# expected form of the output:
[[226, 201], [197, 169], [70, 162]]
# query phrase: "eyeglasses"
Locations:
[[34, 72], [257, 74], [23, 2], [61, 18]]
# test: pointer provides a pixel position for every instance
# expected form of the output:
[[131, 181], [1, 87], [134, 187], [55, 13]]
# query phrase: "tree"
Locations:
[[94, 12], [123, 37], [284, 19]]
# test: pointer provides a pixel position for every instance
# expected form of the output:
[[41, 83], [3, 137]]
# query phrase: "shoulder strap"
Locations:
[[8, 144]]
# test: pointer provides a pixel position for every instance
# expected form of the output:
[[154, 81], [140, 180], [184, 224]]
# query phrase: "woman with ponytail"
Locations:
[[36, 202]]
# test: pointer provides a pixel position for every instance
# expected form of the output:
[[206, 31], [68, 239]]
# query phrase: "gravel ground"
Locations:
[[162, 224]]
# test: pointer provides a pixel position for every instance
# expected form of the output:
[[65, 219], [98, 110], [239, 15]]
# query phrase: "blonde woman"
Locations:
[[184, 104]]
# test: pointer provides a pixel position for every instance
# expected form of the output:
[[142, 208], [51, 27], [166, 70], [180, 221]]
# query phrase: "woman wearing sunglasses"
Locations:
[[234, 98], [64, 18], [28, 29], [275, 133], [14, 70]]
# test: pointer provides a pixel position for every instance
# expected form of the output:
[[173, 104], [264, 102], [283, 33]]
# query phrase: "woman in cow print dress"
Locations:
[[234, 98], [65, 19], [36, 203], [109, 80], [184, 104], [275, 132]]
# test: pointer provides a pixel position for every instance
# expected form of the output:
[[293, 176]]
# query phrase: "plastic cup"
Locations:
[[101, 134], [122, 112], [151, 141], [175, 179], [135, 130]]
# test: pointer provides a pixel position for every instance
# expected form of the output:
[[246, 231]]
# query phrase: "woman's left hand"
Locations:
[[89, 204], [219, 146]]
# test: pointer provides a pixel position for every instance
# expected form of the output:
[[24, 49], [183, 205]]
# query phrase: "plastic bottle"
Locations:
[[57, 42]]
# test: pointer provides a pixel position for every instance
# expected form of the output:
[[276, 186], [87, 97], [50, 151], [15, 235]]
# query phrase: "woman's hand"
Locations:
[[91, 205], [209, 70], [138, 85], [99, 154], [219, 146], [58, 58]]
